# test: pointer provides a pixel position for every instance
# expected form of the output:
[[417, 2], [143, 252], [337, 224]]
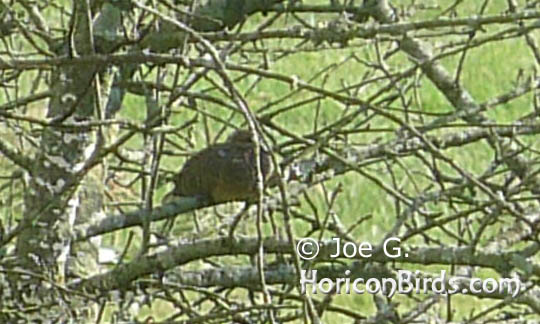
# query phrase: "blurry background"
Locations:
[[413, 119]]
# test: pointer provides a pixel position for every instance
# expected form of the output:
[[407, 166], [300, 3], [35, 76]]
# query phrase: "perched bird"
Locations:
[[223, 172]]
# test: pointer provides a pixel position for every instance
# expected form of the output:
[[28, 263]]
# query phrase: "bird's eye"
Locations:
[[222, 153]]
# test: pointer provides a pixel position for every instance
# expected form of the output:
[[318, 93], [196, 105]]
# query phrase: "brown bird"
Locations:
[[223, 172]]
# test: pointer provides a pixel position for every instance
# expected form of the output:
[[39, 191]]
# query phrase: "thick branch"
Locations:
[[184, 253], [120, 221], [19, 159]]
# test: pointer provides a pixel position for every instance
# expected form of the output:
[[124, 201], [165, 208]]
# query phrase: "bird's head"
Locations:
[[240, 136]]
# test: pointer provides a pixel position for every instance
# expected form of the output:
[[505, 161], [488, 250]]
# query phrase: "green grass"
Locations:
[[488, 71]]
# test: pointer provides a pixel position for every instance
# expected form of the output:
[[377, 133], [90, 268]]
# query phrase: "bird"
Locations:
[[223, 172]]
